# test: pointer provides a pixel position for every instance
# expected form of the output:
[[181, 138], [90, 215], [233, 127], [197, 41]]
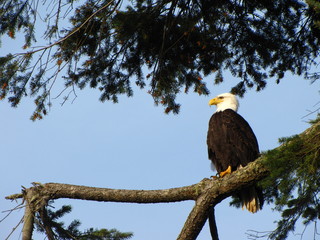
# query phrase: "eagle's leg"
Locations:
[[228, 171]]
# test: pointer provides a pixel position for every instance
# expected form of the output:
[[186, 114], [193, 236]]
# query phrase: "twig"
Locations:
[[71, 33], [12, 231], [312, 112], [11, 210], [253, 234]]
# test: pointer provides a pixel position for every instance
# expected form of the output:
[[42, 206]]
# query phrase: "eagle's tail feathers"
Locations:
[[250, 199]]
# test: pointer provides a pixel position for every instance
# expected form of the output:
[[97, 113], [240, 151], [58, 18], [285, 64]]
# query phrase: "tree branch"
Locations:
[[212, 224], [73, 31], [215, 191]]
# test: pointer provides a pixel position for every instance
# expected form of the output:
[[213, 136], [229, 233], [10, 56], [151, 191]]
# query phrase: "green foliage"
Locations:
[[48, 222], [167, 47], [315, 9], [16, 15], [104, 234], [293, 184]]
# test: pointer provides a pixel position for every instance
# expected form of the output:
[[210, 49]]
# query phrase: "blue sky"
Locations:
[[134, 145]]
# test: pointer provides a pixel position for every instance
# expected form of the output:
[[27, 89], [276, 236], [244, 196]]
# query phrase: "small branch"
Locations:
[[46, 223], [10, 211], [212, 224], [14, 196], [254, 235], [12, 231]]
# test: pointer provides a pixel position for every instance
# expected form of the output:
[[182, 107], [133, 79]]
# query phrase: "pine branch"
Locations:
[[73, 31]]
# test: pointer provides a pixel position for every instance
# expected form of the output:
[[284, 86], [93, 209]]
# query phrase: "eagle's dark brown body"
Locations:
[[231, 142]]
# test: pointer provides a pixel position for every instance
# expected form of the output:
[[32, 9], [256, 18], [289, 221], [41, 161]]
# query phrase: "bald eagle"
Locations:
[[232, 145]]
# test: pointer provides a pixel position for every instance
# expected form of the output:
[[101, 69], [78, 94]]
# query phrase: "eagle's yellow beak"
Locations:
[[215, 101]]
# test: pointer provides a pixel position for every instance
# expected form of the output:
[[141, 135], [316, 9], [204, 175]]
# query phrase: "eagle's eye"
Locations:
[[221, 97]]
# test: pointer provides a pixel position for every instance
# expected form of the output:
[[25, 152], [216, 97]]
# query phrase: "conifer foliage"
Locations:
[[48, 222], [167, 47], [294, 180]]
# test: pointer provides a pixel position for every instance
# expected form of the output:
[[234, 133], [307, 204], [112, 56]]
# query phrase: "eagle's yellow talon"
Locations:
[[228, 171]]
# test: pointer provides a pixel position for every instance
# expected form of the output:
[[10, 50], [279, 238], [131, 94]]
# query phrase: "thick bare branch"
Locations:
[[215, 188], [58, 190]]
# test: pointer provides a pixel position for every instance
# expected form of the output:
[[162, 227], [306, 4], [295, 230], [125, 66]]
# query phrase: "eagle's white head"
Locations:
[[225, 101]]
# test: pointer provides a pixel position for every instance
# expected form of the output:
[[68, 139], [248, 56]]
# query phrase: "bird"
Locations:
[[232, 145]]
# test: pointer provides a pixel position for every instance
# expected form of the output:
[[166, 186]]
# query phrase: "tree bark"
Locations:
[[215, 190], [28, 218]]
